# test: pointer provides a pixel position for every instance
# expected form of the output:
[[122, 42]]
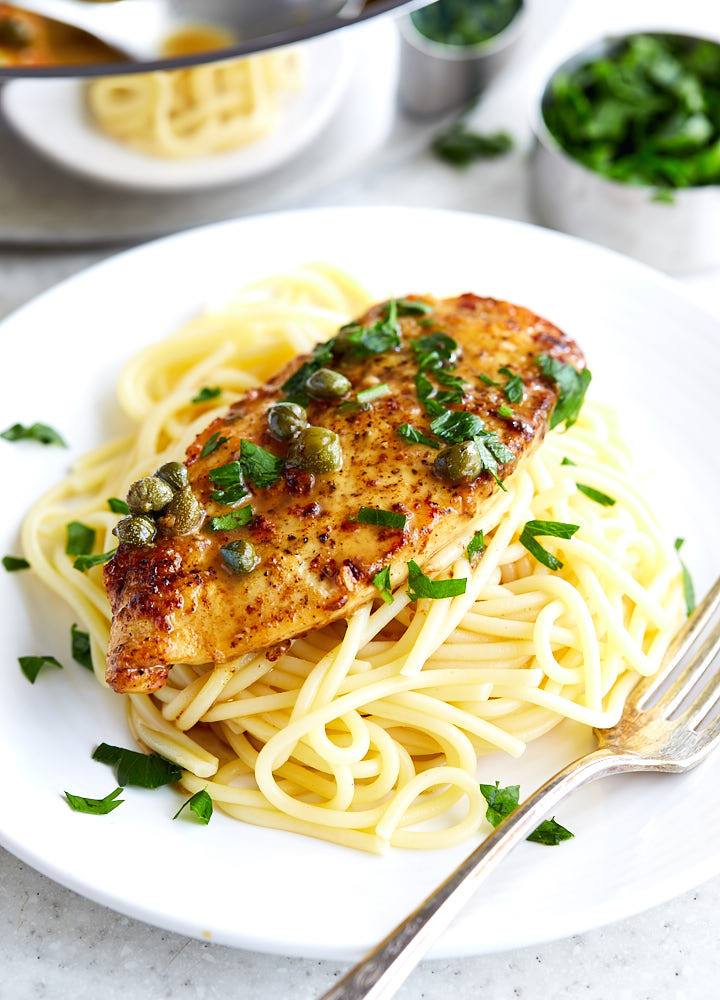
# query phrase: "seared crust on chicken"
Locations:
[[175, 601]]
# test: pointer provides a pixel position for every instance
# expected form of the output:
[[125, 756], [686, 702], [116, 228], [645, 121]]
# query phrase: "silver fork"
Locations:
[[645, 739]]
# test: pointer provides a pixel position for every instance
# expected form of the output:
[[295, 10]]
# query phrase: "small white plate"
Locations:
[[639, 839], [52, 116]]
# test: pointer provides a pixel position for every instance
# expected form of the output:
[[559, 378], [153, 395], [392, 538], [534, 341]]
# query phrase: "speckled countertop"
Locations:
[[56, 944]]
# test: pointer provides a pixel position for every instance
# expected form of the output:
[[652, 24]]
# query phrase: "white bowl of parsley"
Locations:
[[451, 49], [628, 149]]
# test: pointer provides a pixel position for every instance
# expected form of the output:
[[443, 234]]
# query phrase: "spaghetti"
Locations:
[[366, 730], [200, 110]]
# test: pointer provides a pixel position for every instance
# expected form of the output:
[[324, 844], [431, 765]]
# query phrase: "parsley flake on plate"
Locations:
[[414, 436], [549, 529], [420, 585], [85, 562], [42, 433], [80, 539], [95, 807], [118, 506], [141, 769], [80, 647], [572, 386], [234, 519], [207, 393], [381, 518], [688, 586], [381, 581], [475, 545], [259, 467], [200, 804], [32, 665], [212, 444], [14, 563]]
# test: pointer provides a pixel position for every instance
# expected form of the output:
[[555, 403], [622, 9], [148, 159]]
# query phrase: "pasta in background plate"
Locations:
[[201, 110], [367, 732]]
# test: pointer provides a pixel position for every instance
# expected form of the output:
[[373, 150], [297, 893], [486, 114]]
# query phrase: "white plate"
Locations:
[[52, 116], [653, 352]]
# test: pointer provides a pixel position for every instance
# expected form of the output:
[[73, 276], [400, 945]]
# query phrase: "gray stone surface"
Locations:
[[55, 944]]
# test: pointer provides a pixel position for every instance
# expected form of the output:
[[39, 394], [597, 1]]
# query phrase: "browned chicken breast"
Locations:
[[430, 446]]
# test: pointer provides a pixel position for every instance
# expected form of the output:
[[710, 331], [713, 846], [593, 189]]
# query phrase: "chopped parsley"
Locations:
[[381, 518], [437, 343], [42, 433], [688, 586], [32, 665], [461, 146], [550, 833], [212, 444], [500, 801], [259, 467], [572, 385], [514, 388], [381, 581], [206, 393], [420, 585], [228, 480], [80, 539], [14, 563], [425, 392], [414, 436], [383, 335], [643, 112], [375, 392], [487, 380], [551, 529], [476, 544], [118, 506], [235, 519], [412, 307], [141, 769], [80, 647], [455, 426], [504, 801], [201, 804], [95, 807], [321, 356], [597, 495], [505, 411], [84, 562]]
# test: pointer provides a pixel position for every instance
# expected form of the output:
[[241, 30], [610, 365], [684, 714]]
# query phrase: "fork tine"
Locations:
[[679, 645], [703, 703], [680, 688]]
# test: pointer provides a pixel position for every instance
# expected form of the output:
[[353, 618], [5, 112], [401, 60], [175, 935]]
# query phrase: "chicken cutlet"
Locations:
[[258, 537]]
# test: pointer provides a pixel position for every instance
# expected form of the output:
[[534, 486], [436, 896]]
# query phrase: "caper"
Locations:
[[148, 494], [286, 420], [326, 383], [342, 342], [174, 474], [240, 556], [316, 449], [183, 514], [460, 463], [138, 530], [15, 33]]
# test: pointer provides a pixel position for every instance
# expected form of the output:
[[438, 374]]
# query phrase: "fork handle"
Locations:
[[381, 973]]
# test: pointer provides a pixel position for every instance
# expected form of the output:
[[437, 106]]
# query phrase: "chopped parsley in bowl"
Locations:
[[646, 111], [465, 22]]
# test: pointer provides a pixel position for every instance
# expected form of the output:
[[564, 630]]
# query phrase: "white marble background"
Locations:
[[55, 944]]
